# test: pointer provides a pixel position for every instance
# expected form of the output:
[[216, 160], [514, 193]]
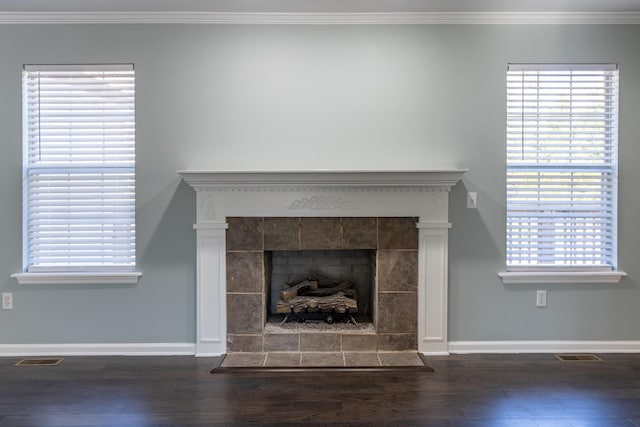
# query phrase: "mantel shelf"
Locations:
[[436, 179]]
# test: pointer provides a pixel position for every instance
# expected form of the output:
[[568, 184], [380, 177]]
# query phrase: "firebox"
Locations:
[[321, 285]]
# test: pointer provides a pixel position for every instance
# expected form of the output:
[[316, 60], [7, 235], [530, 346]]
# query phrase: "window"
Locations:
[[562, 137], [79, 168]]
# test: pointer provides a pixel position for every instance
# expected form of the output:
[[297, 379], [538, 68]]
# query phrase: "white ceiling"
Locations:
[[322, 6]]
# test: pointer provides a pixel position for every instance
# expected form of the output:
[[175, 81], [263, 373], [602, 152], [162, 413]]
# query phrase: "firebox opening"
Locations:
[[321, 281]]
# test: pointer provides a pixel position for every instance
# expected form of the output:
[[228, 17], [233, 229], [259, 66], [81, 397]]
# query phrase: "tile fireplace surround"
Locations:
[[322, 194]]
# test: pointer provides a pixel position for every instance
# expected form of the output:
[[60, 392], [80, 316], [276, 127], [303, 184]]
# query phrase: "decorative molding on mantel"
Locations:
[[382, 18], [425, 180], [321, 203]]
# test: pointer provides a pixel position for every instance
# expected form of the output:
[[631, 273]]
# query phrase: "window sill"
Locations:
[[544, 277], [119, 278]]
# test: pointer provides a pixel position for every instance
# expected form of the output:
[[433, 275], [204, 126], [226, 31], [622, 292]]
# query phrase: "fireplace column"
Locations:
[[433, 284], [211, 292]]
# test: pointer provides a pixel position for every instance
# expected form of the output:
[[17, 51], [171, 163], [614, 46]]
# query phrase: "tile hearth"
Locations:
[[321, 359]]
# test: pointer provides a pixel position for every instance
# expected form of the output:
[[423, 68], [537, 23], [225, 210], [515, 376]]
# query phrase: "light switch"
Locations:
[[472, 200]]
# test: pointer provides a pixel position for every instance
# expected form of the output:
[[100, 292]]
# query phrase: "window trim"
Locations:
[[562, 274], [102, 278], [75, 275], [557, 277]]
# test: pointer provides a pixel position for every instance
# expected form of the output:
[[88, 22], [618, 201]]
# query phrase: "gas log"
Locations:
[[300, 288], [323, 292], [338, 303], [313, 296]]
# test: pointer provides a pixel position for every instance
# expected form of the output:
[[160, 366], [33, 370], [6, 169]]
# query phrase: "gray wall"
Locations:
[[299, 97]]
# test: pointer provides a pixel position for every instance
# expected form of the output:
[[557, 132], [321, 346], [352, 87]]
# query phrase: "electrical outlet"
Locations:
[[541, 298], [472, 200], [7, 301]]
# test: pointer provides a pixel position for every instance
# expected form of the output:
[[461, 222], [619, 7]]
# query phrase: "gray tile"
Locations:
[[360, 342], [245, 271], [244, 313], [359, 233], [283, 359], [397, 233], [397, 270], [361, 359], [244, 343], [281, 234], [397, 342], [239, 360], [282, 342], [245, 234], [397, 312], [322, 359], [320, 233], [325, 342]]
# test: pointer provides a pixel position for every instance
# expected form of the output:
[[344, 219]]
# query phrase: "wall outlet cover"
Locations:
[[7, 301], [541, 298]]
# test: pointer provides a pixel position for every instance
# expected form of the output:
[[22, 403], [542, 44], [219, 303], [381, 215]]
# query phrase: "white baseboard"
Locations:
[[121, 349], [189, 349], [465, 347]]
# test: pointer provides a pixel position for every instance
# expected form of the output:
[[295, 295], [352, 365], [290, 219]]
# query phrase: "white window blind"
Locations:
[[562, 130], [79, 161]]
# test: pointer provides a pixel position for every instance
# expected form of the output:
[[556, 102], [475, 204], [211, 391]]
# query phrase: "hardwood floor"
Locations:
[[464, 390]]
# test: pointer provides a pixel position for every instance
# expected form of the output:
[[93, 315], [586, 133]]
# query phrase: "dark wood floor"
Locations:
[[471, 390]]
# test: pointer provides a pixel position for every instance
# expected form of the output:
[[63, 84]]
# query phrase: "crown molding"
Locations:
[[406, 18]]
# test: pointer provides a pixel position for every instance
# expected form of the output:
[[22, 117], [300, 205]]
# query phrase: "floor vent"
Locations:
[[578, 358], [38, 362]]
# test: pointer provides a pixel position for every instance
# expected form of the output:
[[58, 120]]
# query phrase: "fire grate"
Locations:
[[330, 318], [39, 362], [578, 358]]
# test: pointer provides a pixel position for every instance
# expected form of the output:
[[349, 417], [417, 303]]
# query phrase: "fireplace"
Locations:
[[322, 210]]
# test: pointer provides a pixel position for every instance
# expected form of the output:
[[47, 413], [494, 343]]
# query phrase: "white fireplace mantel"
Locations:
[[421, 194], [431, 179]]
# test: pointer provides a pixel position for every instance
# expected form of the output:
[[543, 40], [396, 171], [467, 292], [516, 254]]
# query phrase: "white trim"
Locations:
[[433, 289], [557, 18], [211, 291], [188, 349], [435, 353], [78, 67], [121, 349], [510, 347], [442, 179], [210, 226], [115, 278], [563, 66], [433, 224], [550, 277]]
